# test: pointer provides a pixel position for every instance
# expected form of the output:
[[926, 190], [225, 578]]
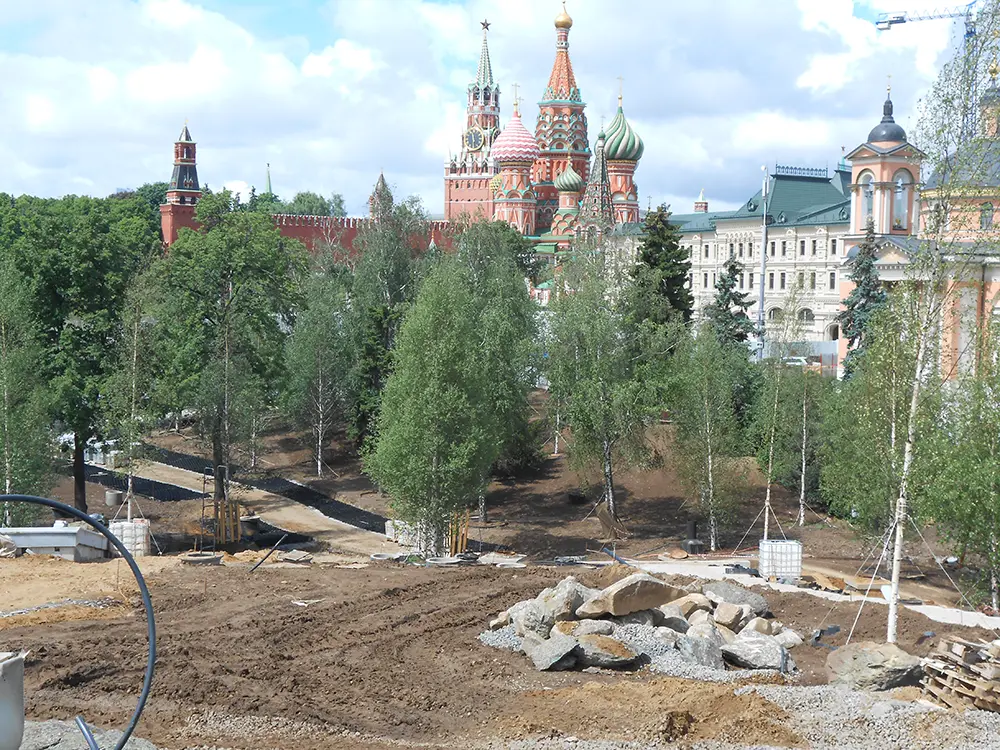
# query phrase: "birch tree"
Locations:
[[596, 373], [708, 436]]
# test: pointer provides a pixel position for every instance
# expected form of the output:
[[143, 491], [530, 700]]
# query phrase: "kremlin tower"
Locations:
[[184, 192], [467, 176]]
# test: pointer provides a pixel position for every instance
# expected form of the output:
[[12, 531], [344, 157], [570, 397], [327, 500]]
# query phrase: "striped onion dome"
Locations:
[[621, 142], [515, 143], [569, 181]]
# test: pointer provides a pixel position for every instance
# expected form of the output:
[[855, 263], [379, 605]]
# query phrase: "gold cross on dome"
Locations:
[[888, 84], [621, 86], [517, 100]]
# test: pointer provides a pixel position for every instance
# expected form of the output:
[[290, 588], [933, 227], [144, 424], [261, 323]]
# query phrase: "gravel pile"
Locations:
[[835, 717], [504, 638]]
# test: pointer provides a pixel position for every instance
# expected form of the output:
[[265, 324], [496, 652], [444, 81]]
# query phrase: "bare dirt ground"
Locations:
[[387, 656], [533, 514]]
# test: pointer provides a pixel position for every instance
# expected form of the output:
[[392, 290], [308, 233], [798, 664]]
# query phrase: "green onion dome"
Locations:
[[621, 142], [569, 181]]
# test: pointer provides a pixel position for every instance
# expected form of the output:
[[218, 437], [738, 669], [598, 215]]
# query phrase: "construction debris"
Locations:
[[962, 674], [296, 556], [644, 620]]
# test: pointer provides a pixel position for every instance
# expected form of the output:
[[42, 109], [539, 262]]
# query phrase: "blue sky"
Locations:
[[330, 92]]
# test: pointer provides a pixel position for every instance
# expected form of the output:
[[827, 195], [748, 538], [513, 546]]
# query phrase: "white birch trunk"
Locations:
[[609, 483], [770, 454], [713, 537], [802, 476]]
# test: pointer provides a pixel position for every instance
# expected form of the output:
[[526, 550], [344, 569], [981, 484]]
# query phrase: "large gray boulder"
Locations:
[[728, 615], [631, 594], [531, 617], [789, 638], [550, 654], [603, 651], [758, 651], [673, 618], [577, 628], [873, 666], [724, 591], [706, 630], [562, 600], [703, 651], [648, 617]]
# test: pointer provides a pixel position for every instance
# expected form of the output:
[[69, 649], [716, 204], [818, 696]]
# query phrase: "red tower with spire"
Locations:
[[184, 191], [467, 176], [561, 130]]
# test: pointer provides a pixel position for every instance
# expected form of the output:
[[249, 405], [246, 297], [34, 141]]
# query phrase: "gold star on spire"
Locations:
[[485, 24]]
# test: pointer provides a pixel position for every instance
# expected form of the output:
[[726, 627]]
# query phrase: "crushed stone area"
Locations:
[[104, 603]]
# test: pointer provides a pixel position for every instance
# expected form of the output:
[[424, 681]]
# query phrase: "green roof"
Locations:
[[795, 197]]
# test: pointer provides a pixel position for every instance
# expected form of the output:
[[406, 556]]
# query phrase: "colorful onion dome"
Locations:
[[515, 143], [496, 182], [569, 181], [622, 143], [563, 21]]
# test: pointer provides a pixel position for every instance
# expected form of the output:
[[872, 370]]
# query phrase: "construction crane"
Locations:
[[886, 21]]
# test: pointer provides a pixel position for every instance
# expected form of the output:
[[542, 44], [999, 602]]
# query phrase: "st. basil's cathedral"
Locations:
[[550, 186]]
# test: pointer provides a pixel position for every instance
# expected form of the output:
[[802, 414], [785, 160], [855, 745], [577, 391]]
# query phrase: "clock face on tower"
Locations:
[[474, 139]]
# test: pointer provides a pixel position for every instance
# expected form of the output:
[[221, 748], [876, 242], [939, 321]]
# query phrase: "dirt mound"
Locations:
[[659, 710]]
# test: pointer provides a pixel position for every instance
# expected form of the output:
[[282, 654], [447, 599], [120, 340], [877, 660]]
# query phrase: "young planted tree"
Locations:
[[728, 311], [596, 370], [864, 301], [227, 293], [435, 442], [705, 374], [660, 290], [317, 358], [25, 432]]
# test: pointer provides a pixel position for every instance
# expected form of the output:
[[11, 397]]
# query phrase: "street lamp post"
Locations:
[[763, 268]]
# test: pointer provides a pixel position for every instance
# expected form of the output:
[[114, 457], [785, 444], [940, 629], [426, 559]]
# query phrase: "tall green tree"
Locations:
[[864, 301], [313, 204], [596, 370], [25, 424], [434, 442], [227, 295], [708, 439], [81, 255], [508, 329], [661, 291], [317, 356], [728, 311]]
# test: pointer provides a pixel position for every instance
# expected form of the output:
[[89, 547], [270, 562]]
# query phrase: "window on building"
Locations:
[[784, 248], [812, 280], [706, 251], [782, 281], [802, 247], [986, 216], [741, 249], [806, 315], [772, 248], [713, 280], [833, 247], [802, 279], [690, 281], [743, 278], [867, 183], [833, 280], [770, 280], [751, 280], [903, 186], [704, 281], [730, 249], [749, 249], [775, 313], [814, 247]]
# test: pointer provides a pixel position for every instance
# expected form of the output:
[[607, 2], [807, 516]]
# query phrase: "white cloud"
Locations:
[[39, 111], [344, 58]]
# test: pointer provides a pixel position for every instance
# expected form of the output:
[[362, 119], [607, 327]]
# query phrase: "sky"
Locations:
[[331, 92]]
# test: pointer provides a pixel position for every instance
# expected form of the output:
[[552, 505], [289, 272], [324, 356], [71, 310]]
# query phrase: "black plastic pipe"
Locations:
[[147, 604]]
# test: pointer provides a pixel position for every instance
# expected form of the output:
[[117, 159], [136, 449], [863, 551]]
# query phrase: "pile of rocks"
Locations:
[[642, 619]]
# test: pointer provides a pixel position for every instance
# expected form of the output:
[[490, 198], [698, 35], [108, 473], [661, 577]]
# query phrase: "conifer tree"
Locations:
[[728, 312], [867, 298], [661, 272]]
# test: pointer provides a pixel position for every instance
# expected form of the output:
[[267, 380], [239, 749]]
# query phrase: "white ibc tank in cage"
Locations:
[[780, 558], [133, 534]]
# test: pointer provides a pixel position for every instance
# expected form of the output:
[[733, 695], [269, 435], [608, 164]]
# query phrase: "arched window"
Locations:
[[833, 332], [775, 313], [986, 216], [903, 182], [806, 315], [867, 196]]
